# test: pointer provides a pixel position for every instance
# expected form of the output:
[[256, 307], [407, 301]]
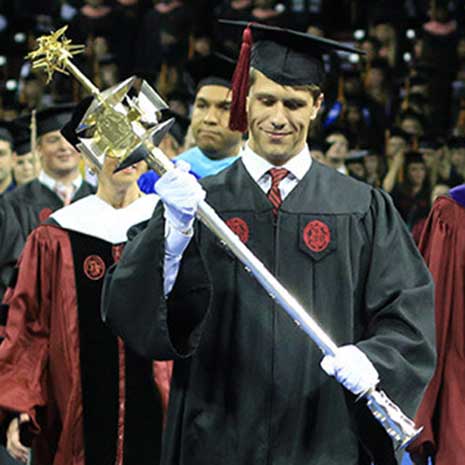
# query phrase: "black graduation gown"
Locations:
[[20, 212], [253, 392], [34, 202]]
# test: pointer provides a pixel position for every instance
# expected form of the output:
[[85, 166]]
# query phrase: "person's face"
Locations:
[[353, 86], [24, 168], [339, 147], [178, 107], [371, 164], [58, 156], [279, 119], [412, 126], [169, 146], [353, 115], [210, 122], [6, 160], [461, 49], [457, 158], [318, 155], [357, 169], [384, 33], [32, 89], [370, 50], [416, 173], [395, 145], [124, 178], [375, 78], [429, 157]]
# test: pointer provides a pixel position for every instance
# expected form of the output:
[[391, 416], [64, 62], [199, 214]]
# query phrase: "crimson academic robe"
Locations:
[[247, 387], [91, 400], [443, 407]]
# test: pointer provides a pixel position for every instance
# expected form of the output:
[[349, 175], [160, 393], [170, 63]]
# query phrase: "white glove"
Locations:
[[351, 367], [181, 194]]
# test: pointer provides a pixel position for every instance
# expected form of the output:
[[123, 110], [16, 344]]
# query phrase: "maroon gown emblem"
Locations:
[[317, 236], [44, 214], [239, 227], [94, 267]]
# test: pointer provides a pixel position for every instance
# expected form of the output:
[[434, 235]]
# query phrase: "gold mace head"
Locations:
[[53, 52]]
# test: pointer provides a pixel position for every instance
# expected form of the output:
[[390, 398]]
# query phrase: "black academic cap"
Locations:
[[179, 128], [356, 156], [337, 130], [287, 57], [214, 70], [22, 134], [380, 63], [317, 145], [456, 143], [6, 131], [53, 118], [428, 143], [413, 157], [398, 132], [411, 114]]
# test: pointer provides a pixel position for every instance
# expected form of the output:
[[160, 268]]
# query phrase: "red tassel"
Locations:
[[240, 84]]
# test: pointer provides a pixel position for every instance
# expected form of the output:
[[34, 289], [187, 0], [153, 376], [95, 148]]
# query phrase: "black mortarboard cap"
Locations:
[[356, 156], [413, 157], [22, 134], [317, 145], [6, 131], [456, 143], [412, 114], [179, 128], [427, 143], [53, 118], [287, 57], [398, 132], [214, 70]]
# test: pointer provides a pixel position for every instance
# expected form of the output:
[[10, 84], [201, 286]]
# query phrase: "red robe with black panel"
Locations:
[[40, 359]]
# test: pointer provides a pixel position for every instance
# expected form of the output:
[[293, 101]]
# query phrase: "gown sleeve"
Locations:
[[12, 242], [24, 351], [399, 313], [442, 245], [134, 304]]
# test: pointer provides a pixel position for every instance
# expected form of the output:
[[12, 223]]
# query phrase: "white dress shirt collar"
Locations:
[[51, 183], [257, 166]]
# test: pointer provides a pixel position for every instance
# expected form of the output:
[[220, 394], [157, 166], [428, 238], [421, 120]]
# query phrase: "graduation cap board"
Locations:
[[53, 118], [287, 57], [214, 70], [6, 129], [22, 135]]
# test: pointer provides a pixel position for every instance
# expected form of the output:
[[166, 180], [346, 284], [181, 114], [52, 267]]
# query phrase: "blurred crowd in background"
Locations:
[[394, 118]]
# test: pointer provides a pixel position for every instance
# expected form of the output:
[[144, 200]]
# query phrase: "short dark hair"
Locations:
[[312, 89]]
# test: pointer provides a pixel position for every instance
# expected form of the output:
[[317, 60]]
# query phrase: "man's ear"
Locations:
[[317, 106]]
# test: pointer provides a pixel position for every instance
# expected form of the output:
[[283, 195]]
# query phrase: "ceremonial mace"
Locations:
[[119, 124]]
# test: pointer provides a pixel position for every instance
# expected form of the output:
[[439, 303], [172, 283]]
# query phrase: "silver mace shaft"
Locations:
[[54, 54]]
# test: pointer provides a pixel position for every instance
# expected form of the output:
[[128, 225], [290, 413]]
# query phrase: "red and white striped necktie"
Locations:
[[274, 195]]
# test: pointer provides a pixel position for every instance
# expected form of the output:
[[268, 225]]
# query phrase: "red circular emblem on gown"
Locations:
[[94, 267], [44, 214], [239, 227], [317, 236]]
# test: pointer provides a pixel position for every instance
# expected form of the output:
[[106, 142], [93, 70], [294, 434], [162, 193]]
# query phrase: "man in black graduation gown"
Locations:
[[58, 184], [253, 391], [6, 158]]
